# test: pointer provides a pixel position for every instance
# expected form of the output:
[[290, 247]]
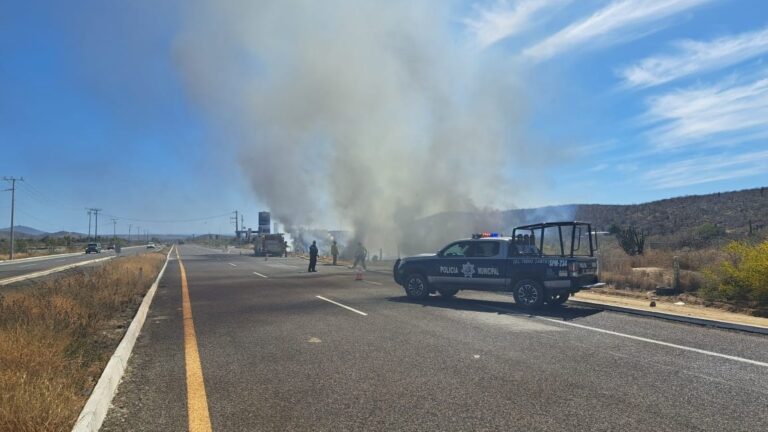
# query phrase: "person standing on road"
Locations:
[[360, 255], [334, 252], [312, 257]]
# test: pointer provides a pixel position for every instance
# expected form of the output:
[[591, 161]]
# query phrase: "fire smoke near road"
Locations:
[[365, 114]]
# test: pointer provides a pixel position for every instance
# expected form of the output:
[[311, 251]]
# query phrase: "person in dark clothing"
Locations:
[[312, 257], [334, 252]]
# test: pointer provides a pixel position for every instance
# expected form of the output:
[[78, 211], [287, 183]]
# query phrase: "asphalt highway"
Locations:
[[9, 269], [282, 349]]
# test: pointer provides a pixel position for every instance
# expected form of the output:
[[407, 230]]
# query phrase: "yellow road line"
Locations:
[[197, 402]]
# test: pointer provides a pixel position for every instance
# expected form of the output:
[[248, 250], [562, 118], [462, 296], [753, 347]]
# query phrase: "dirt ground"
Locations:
[[642, 301]]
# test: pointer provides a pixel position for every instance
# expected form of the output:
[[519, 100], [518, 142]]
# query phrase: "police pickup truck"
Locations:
[[538, 264]]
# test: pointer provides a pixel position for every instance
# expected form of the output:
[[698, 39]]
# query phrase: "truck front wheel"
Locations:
[[528, 294], [416, 286]]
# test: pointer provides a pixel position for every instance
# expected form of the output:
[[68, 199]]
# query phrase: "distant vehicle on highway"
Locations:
[[93, 248], [538, 264], [269, 245], [111, 247], [151, 245]]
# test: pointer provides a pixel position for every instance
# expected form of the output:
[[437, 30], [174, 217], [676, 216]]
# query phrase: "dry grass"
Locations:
[[655, 267], [56, 337]]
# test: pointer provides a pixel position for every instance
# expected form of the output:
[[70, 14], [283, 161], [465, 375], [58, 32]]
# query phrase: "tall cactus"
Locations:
[[632, 240]]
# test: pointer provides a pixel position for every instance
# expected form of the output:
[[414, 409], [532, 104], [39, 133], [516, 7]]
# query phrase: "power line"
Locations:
[[168, 220], [45, 199]]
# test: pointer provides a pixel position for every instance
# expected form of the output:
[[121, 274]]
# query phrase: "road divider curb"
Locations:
[[95, 410], [673, 317], [40, 258], [51, 271]]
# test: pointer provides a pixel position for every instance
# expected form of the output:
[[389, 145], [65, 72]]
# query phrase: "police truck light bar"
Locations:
[[486, 234]]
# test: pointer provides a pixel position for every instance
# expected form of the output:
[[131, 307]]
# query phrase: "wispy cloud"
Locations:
[[696, 57], [609, 24], [708, 169], [728, 111], [503, 19]]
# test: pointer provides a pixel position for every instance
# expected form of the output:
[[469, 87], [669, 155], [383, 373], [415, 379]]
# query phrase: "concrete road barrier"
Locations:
[[95, 409], [50, 271]]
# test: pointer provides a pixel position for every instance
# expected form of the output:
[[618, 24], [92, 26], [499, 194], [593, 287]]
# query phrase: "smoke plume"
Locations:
[[359, 114]]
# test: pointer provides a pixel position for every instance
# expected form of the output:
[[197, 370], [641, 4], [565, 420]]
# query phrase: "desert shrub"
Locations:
[[709, 231], [741, 277]]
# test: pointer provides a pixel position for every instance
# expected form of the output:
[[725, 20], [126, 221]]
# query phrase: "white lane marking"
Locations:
[[642, 339], [51, 271], [373, 283], [344, 306], [259, 274], [233, 265], [281, 265]]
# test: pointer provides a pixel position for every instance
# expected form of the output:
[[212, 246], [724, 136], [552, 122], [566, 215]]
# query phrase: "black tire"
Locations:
[[416, 286], [447, 292], [557, 299], [528, 293]]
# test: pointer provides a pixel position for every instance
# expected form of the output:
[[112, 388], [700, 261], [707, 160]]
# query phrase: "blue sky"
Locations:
[[628, 101]]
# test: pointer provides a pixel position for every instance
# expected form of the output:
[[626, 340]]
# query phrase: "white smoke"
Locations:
[[364, 114]]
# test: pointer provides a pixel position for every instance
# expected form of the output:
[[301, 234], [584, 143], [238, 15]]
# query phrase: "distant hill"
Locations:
[[59, 234], [678, 217], [22, 230], [733, 211]]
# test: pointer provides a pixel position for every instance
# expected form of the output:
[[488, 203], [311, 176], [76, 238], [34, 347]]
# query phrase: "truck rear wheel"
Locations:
[[447, 292], [558, 299], [416, 286], [528, 294]]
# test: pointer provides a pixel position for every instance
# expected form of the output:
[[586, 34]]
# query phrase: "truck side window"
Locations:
[[456, 250], [484, 249]]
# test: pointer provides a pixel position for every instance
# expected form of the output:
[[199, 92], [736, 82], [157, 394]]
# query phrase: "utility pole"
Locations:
[[13, 181], [114, 230], [89, 223], [236, 219], [96, 224], [95, 212], [129, 232]]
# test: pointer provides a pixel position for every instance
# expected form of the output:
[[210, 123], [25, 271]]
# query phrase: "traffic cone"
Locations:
[[359, 275]]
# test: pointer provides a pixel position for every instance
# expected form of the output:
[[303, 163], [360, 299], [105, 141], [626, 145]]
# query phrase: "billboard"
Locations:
[[264, 222]]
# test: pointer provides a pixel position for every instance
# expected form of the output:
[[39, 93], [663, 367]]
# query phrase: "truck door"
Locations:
[[484, 268], [447, 271], [523, 257]]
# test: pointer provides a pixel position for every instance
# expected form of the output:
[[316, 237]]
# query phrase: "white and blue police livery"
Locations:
[[539, 264]]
